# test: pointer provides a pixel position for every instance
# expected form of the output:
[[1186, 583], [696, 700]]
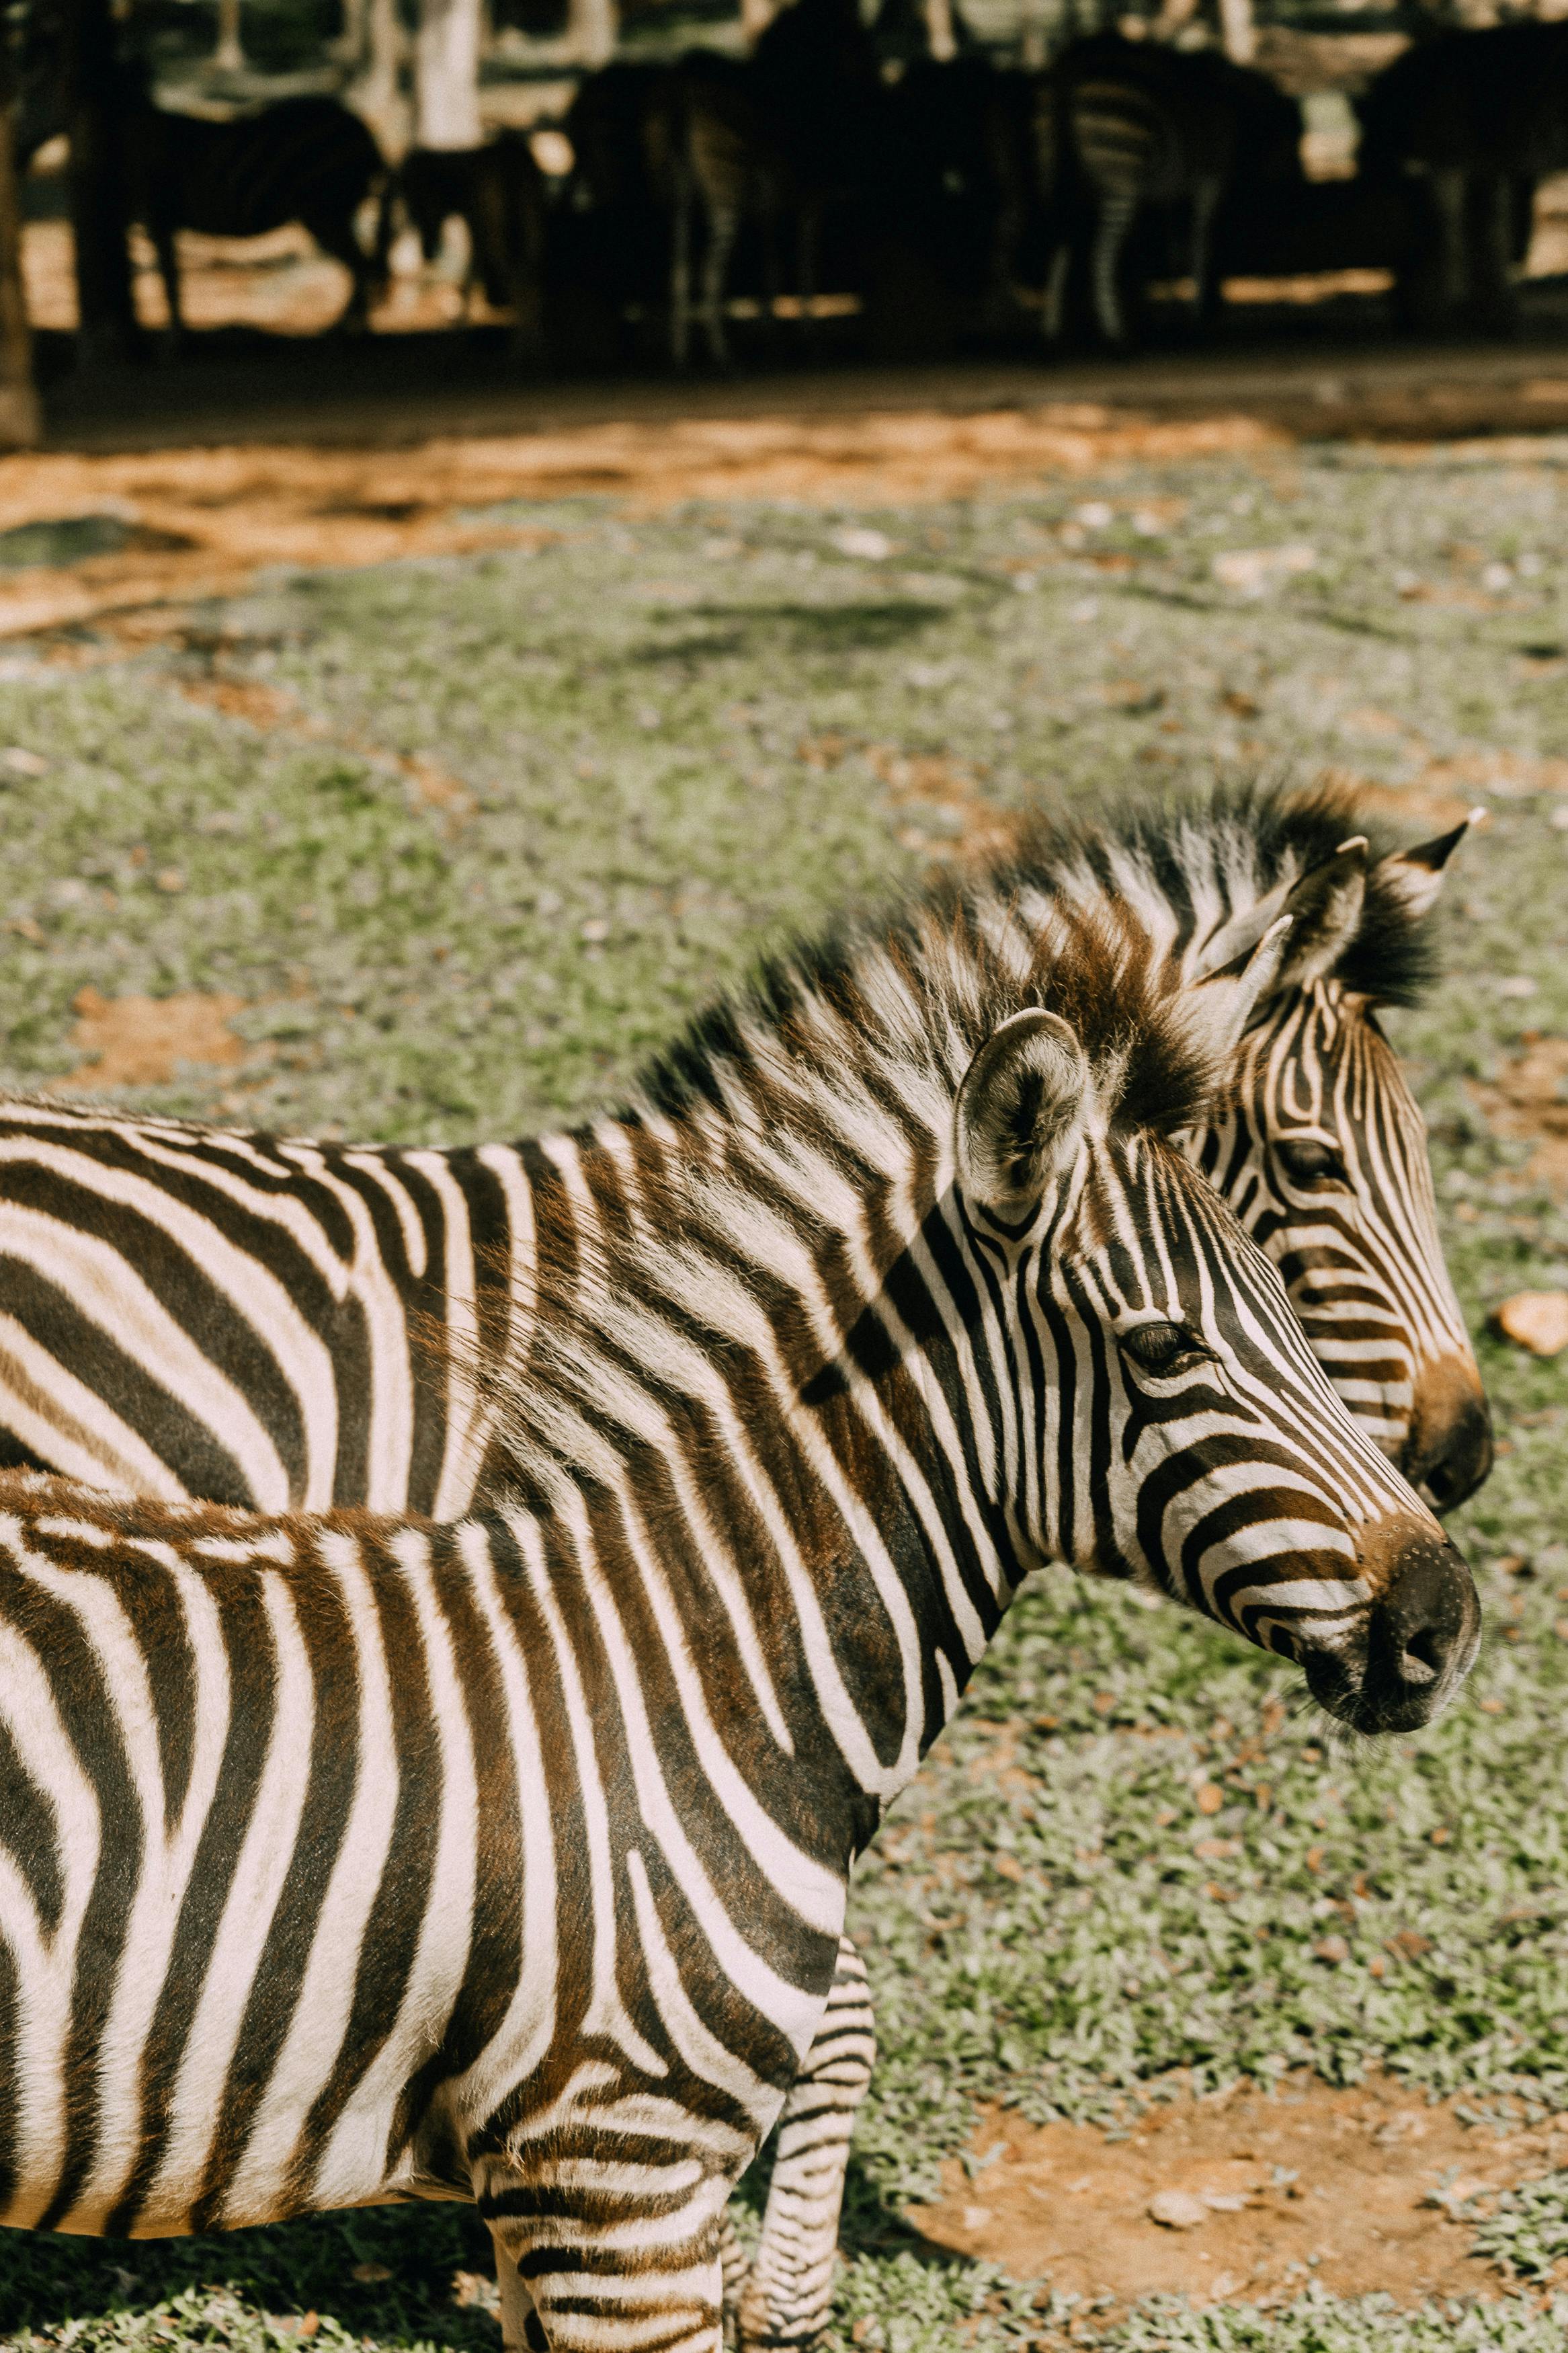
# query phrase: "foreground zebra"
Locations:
[[350, 1857], [186, 1312]]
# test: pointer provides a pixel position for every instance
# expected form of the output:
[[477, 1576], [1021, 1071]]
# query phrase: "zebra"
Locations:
[[1141, 127], [786, 135], [309, 159], [1472, 120], [278, 1323], [303, 159], [917, 1296], [499, 192], [1320, 1148]]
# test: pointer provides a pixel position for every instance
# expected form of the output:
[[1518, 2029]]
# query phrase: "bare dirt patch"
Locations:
[[1528, 1103], [224, 513], [141, 1041], [1357, 2188]]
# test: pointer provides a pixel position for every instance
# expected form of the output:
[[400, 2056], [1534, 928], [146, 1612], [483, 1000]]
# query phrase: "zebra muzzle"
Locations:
[[1422, 1632]]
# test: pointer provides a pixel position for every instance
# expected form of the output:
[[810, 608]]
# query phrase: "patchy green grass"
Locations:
[[681, 738]]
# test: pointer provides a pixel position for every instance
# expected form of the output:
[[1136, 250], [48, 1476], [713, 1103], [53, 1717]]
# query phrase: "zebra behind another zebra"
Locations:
[[285, 1324], [350, 1859]]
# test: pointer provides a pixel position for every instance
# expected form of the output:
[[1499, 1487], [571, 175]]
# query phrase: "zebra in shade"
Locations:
[[915, 1295], [278, 1323], [1143, 131], [1467, 124]]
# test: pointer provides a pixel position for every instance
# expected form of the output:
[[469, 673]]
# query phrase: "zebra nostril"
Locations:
[[1422, 1662]]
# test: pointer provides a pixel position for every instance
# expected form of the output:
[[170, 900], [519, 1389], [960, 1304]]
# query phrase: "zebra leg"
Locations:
[[162, 234], [336, 236], [1449, 193], [1115, 213], [809, 248], [591, 2301], [734, 2268], [680, 275], [786, 2298], [1491, 234], [519, 2323], [1054, 308], [723, 228], [1206, 290]]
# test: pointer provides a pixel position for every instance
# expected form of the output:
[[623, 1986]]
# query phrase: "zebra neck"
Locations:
[[789, 1455]]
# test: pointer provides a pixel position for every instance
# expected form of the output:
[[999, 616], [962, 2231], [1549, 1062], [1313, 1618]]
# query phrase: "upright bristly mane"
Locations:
[[1182, 867], [796, 1136]]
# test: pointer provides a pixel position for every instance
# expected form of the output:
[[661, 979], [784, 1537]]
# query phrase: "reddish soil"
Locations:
[[203, 519], [1356, 2188], [140, 1042]]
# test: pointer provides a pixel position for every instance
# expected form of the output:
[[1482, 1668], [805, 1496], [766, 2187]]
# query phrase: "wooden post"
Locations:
[[20, 421], [1237, 30], [106, 309], [447, 75], [228, 57], [591, 30]]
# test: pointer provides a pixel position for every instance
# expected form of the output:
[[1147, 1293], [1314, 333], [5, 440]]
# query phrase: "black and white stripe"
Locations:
[[287, 1324], [1319, 1146], [350, 1857]]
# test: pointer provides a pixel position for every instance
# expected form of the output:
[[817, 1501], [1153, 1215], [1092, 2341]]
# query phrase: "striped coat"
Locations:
[[350, 1857], [262, 1321]]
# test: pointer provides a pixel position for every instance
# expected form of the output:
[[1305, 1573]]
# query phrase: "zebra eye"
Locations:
[[1163, 1347], [1307, 1164]]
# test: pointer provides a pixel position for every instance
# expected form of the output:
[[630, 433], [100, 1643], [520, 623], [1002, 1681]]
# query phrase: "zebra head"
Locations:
[[1318, 1145], [1173, 1424], [1321, 1152]]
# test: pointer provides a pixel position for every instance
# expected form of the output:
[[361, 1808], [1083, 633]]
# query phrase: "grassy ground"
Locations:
[[679, 737]]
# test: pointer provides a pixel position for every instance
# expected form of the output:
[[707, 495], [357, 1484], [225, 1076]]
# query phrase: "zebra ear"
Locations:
[[1217, 1008], [1325, 907], [1416, 876], [1019, 1112]]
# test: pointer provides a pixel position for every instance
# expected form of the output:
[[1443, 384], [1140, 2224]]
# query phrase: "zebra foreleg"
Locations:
[[723, 228], [1116, 210], [787, 2295], [162, 234]]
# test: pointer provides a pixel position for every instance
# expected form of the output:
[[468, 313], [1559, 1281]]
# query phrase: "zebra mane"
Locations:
[[1184, 867], [779, 1157]]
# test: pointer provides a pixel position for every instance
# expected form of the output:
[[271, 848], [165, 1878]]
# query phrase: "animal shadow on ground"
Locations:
[[867, 628], [387, 2273]]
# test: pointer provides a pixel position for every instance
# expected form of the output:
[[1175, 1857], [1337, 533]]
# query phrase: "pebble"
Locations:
[[1536, 1320], [1177, 2209]]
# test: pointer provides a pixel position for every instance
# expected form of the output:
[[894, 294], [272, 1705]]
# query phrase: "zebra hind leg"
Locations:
[[520, 2327], [787, 2295], [583, 2300], [1114, 215]]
